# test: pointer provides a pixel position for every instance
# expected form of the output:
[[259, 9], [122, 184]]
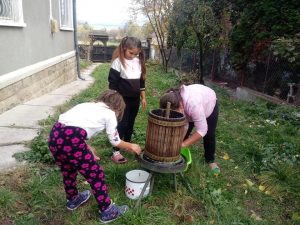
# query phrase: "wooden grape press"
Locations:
[[164, 136]]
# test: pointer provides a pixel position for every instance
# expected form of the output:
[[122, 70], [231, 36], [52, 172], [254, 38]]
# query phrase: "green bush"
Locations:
[[39, 151]]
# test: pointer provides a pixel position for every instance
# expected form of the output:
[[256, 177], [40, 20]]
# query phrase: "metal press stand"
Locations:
[[155, 167]]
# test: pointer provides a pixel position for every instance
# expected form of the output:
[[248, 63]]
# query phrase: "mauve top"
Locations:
[[198, 102]]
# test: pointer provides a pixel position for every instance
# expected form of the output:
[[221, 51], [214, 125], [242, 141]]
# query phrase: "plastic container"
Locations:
[[185, 152]]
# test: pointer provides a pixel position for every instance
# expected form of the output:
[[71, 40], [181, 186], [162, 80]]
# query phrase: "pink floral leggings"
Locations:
[[71, 153]]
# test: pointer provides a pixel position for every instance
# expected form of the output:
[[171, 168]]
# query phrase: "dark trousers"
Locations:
[[125, 126], [209, 140]]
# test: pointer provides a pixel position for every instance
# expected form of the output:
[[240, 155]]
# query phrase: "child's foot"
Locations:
[[118, 158], [112, 213], [215, 169], [78, 200]]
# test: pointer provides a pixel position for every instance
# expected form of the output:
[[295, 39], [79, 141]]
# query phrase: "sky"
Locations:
[[104, 13]]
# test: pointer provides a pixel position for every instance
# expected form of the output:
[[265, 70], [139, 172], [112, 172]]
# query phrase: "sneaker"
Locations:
[[215, 169], [78, 200], [112, 213], [118, 158]]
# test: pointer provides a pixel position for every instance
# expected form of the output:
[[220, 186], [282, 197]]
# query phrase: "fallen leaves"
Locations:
[[255, 216], [249, 182], [251, 185], [226, 156], [261, 187]]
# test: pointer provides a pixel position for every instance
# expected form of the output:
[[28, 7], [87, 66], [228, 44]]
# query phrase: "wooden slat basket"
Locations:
[[164, 135]]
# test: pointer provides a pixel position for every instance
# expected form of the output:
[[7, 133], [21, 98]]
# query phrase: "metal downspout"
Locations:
[[76, 40]]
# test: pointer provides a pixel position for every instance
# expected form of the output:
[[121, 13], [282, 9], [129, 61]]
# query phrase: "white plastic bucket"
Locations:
[[135, 181]]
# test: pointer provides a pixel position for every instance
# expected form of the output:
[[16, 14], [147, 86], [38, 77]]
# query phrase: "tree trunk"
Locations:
[[242, 77], [201, 64], [193, 69], [168, 58], [213, 66], [200, 42]]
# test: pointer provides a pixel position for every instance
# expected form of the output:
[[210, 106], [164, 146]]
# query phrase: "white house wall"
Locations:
[[31, 55], [23, 46]]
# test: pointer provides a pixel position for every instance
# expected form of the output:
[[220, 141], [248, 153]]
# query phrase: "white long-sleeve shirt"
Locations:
[[93, 117]]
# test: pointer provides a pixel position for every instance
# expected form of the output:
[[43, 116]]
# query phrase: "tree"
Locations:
[[147, 30], [193, 24], [257, 23], [131, 28], [158, 14], [83, 31], [113, 33]]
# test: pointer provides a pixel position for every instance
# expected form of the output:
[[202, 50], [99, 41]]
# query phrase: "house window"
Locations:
[[66, 14], [11, 13]]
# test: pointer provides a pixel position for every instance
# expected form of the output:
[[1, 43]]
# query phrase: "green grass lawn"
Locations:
[[257, 148], [84, 63]]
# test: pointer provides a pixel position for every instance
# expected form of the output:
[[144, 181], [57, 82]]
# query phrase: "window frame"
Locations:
[[17, 18], [69, 10]]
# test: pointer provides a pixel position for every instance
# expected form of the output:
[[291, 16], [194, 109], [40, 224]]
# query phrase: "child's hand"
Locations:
[[93, 150], [130, 147], [144, 103], [136, 149]]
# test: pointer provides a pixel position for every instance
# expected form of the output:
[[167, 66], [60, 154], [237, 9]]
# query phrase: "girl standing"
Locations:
[[127, 76], [67, 143], [199, 105]]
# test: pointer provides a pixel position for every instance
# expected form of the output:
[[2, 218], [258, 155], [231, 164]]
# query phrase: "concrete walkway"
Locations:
[[19, 125]]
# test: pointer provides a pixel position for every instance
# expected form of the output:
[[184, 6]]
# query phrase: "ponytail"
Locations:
[[143, 64]]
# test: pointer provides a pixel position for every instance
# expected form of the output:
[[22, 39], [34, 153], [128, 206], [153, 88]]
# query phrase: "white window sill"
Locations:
[[66, 29], [12, 24]]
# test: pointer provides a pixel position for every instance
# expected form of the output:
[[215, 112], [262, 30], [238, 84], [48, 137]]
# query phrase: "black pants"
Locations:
[[125, 126], [209, 140]]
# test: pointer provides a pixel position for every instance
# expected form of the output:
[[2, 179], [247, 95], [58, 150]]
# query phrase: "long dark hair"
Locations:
[[114, 101], [130, 43], [173, 96]]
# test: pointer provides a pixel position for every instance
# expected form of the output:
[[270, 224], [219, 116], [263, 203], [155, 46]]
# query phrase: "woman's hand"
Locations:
[[191, 140], [183, 145]]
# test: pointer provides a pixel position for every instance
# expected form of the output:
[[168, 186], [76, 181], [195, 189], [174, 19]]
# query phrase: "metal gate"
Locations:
[[102, 53]]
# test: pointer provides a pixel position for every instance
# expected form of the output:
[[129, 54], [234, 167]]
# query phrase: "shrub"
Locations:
[[39, 151]]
